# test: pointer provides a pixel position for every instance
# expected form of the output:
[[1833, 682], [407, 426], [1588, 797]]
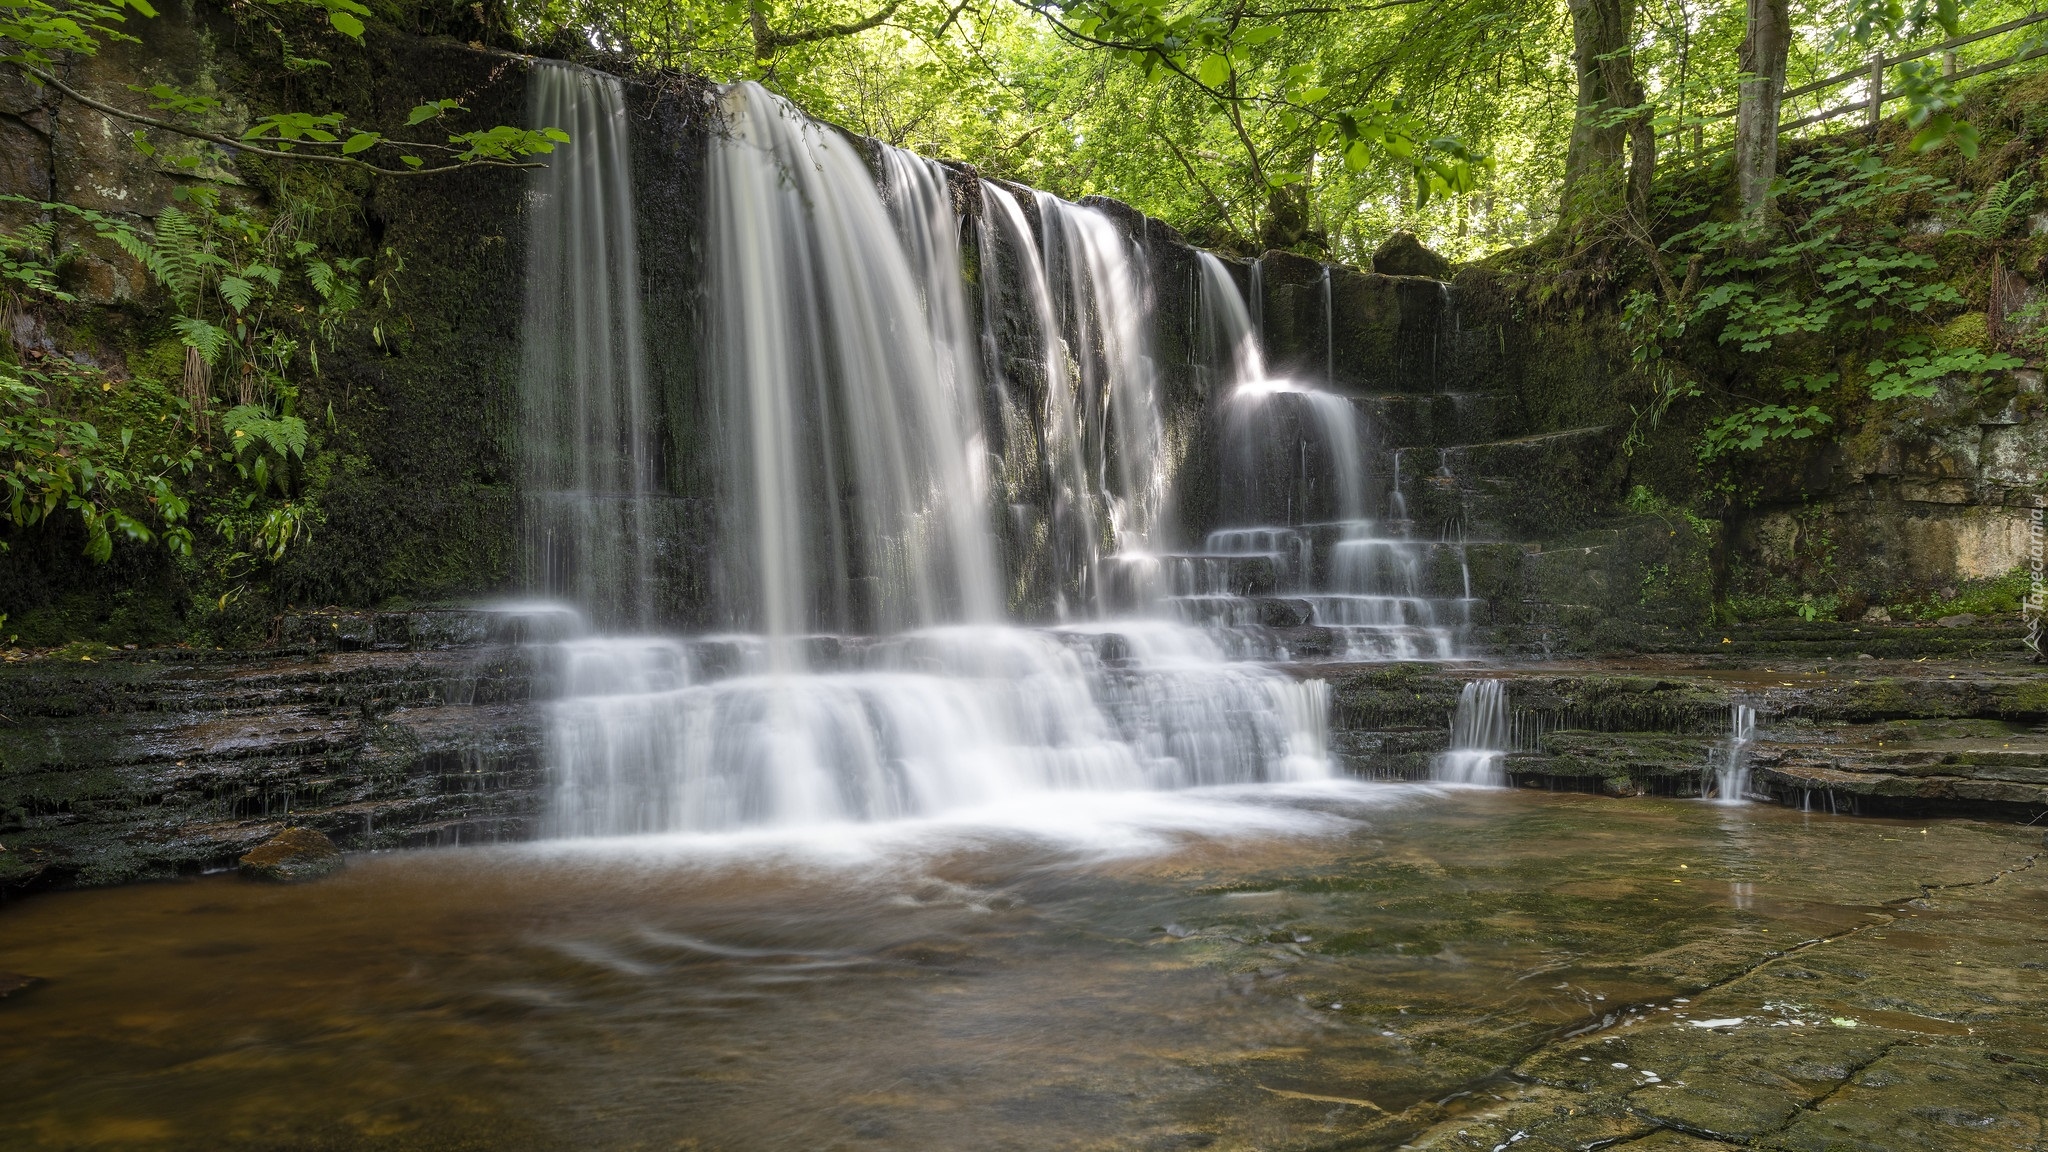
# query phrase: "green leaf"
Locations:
[[431, 110], [346, 24], [360, 142], [1214, 71]]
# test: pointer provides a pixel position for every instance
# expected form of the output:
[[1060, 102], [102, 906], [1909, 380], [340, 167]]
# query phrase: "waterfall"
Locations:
[[851, 497], [878, 679], [1101, 292], [1296, 484], [1076, 516], [586, 457], [1729, 761], [1482, 733]]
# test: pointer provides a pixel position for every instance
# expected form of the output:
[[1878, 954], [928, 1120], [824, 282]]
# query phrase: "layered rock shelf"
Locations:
[[404, 729], [142, 765]]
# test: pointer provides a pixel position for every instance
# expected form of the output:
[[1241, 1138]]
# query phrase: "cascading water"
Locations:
[[881, 682], [1077, 520], [853, 505], [1298, 496], [1730, 760], [1482, 734], [587, 460], [1099, 294]]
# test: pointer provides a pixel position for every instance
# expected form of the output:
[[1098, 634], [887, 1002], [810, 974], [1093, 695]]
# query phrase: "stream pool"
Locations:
[[1333, 965]]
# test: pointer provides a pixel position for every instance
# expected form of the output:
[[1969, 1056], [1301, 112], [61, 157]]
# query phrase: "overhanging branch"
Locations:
[[187, 130], [767, 40]]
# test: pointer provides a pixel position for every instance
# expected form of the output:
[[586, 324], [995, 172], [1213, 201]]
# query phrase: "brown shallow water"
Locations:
[[1256, 971]]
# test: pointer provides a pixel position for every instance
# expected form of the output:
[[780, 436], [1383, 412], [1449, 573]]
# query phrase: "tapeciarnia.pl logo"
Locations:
[[2037, 589]]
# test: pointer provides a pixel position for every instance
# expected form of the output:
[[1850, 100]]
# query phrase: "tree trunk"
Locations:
[[1757, 105], [1602, 31]]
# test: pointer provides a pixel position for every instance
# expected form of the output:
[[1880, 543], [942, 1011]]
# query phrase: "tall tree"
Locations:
[[1760, 91], [1613, 118]]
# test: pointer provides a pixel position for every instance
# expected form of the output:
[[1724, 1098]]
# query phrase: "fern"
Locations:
[[237, 292], [176, 258], [2001, 204], [259, 438], [206, 339]]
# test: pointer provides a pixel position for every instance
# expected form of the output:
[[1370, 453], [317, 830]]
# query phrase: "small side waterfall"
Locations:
[[585, 447], [1729, 761], [1482, 734], [1298, 493]]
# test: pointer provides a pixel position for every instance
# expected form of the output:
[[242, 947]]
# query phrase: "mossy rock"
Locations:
[[292, 855]]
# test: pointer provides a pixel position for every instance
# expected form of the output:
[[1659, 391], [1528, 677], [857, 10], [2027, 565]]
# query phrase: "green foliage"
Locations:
[[1753, 427], [1918, 367], [228, 270], [31, 258], [2000, 208], [1644, 502], [57, 464], [1819, 276], [1653, 323], [1999, 596], [1932, 108], [263, 445], [39, 32], [2030, 329], [1837, 269], [1211, 48], [501, 143], [1315, 128]]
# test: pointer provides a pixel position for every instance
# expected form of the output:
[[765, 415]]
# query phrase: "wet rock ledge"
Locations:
[[1930, 735], [379, 730], [414, 729]]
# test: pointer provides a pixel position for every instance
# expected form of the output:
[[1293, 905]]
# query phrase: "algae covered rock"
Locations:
[[1403, 255], [293, 854]]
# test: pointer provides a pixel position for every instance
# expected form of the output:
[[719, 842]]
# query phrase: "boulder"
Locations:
[[1959, 620], [1403, 255], [293, 854]]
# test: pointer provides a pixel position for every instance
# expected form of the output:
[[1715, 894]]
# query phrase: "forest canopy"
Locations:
[[1308, 124]]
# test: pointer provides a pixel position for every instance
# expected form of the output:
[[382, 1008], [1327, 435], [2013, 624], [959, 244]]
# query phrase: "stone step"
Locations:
[[1416, 423]]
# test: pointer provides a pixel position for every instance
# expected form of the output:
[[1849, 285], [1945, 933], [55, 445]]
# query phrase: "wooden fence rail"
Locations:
[[1873, 75]]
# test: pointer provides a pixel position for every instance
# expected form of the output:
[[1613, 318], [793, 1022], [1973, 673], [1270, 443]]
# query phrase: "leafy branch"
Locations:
[[499, 147], [33, 33]]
